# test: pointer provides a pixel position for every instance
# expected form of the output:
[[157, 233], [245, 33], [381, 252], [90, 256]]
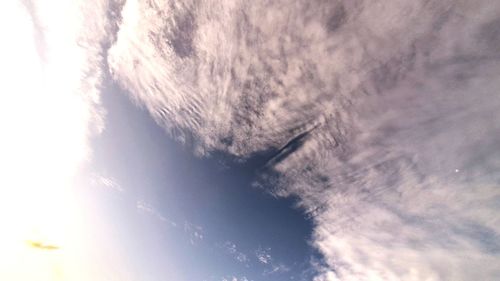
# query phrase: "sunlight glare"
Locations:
[[45, 123]]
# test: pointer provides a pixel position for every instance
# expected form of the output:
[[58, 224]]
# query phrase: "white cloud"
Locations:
[[384, 113], [263, 255], [234, 278], [272, 266], [146, 208], [195, 232], [238, 255], [277, 268], [107, 182]]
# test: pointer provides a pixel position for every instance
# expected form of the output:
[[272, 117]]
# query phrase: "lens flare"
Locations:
[[45, 122]]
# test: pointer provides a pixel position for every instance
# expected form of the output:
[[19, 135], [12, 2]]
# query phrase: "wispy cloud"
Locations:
[[147, 208], [233, 250], [383, 115], [277, 268], [107, 182], [264, 257], [234, 278], [194, 232]]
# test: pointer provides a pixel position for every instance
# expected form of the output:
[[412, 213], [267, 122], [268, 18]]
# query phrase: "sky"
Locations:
[[220, 224], [250, 140]]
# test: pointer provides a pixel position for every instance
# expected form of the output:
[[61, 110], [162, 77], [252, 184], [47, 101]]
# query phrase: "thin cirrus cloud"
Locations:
[[383, 115], [264, 257], [232, 249]]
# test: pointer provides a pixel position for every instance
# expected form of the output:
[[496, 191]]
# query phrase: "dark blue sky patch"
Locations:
[[204, 203]]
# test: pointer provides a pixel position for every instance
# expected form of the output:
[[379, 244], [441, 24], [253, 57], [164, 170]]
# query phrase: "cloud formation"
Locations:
[[383, 115], [234, 278], [233, 250], [264, 257]]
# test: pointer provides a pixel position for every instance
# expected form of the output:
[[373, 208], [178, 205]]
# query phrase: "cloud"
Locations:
[[264, 257], [147, 208], [194, 232], [107, 182], [383, 116], [238, 255], [279, 268], [234, 278]]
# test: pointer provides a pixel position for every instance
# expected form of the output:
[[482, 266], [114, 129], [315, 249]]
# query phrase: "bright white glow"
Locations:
[[44, 121]]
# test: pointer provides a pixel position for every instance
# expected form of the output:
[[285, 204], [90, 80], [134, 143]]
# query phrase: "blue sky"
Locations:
[[207, 219]]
